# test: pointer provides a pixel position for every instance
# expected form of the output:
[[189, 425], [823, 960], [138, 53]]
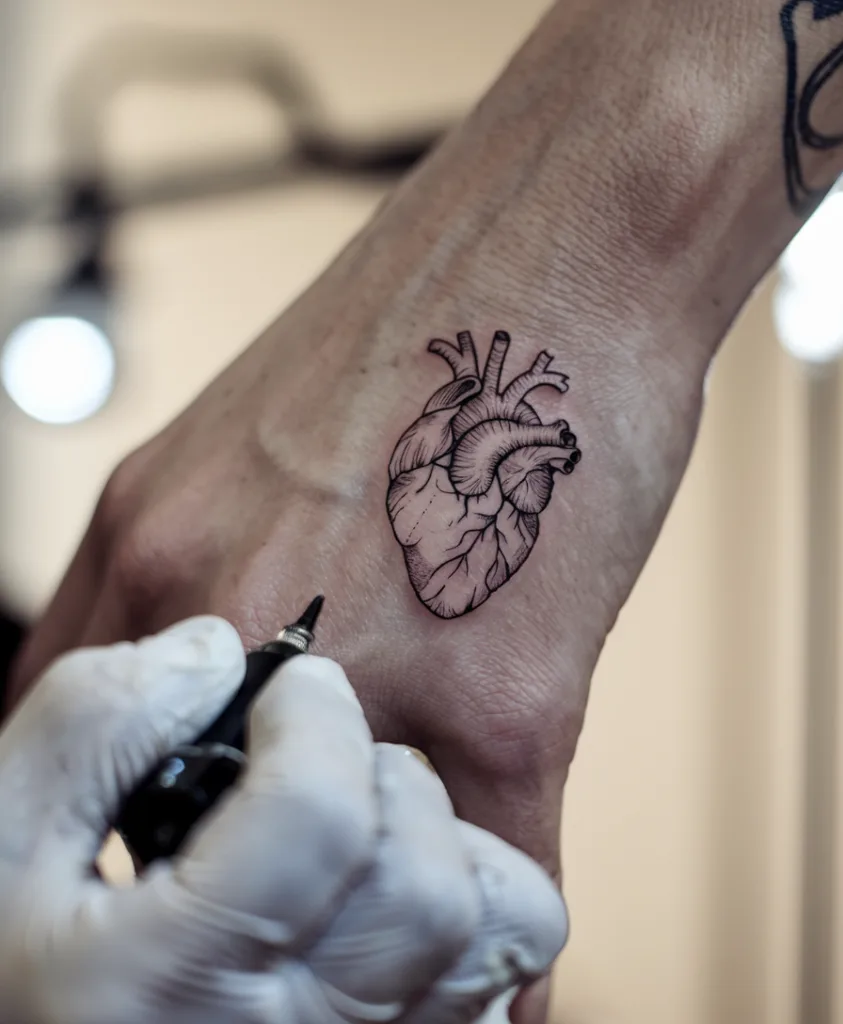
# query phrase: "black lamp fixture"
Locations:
[[58, 364]]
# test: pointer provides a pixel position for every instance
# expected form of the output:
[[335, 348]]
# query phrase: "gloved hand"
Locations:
[[333, 884]]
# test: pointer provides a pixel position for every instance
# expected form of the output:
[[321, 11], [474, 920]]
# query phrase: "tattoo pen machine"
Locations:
[[158, 816]]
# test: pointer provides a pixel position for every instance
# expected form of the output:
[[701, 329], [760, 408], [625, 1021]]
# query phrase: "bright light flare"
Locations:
[[58, 369]]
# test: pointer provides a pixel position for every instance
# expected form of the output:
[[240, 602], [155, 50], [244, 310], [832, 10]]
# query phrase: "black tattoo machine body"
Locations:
[[158, 816]]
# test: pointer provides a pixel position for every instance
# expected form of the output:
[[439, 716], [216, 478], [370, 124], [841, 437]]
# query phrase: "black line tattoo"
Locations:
[[800, 133], [468, 480]]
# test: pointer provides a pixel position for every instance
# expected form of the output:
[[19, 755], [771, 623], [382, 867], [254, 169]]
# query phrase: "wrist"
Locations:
[[422, 270]]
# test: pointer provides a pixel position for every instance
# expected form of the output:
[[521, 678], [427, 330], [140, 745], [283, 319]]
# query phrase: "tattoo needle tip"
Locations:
[[308, 618]]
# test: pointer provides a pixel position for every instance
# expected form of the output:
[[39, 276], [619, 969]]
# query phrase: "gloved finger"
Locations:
[[97, 721], [522, 930], [523, 809], [415, 912], [301, 824], [61, 626]]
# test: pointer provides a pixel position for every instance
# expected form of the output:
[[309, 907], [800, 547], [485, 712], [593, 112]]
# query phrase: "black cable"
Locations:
[[306, 150], [126, 58], [315, 158], [799, 130]]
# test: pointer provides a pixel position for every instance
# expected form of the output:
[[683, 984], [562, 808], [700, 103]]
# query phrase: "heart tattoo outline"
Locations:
[[470, 477]]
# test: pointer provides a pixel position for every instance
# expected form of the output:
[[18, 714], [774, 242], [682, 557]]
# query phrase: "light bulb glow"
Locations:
[[808, 304], [58, 369], [813, 257]]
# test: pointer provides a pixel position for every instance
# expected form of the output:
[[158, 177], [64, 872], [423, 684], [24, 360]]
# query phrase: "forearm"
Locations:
[[631, 159], [647, 156], [611, 202], [613, 199]]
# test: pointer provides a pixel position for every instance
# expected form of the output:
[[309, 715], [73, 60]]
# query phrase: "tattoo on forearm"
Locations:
[[469, 479], [801, 134]]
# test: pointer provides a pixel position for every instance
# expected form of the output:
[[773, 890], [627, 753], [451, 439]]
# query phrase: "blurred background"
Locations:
[[171, 175]]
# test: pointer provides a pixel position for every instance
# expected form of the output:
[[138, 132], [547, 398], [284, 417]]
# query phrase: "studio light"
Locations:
[[58, 365], [58, 369], [808, 303]]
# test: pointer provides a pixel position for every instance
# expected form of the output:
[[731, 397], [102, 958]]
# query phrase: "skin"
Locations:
[[612, 200]]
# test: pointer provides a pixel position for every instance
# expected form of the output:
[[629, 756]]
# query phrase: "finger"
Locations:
[[531, 1005], [415, 912], [523, 928], [97, 721], [523, 809], [301, 824], [61, 626], [117, 614]]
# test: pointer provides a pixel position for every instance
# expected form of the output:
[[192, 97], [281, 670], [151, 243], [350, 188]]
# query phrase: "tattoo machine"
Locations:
[[158, 816]]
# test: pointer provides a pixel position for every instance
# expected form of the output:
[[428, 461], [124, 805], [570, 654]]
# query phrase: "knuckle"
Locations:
[[132, 564], [514, 741], [509, 721], [145, 559], [144, 540], [118, 500]]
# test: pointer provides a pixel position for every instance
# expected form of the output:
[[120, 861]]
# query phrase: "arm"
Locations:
[[612, 201]]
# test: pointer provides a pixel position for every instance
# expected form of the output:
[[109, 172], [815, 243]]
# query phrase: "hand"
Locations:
[[334, 885], [239, 511], [274, 485]]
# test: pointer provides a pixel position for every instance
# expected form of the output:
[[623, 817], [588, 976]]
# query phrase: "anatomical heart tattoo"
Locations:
[[470, 478]]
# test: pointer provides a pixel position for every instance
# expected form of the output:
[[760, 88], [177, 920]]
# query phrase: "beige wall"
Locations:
[[682, 824], [685, 791]]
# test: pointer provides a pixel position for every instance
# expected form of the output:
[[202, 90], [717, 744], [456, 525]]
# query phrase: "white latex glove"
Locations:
[[334, 883]]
